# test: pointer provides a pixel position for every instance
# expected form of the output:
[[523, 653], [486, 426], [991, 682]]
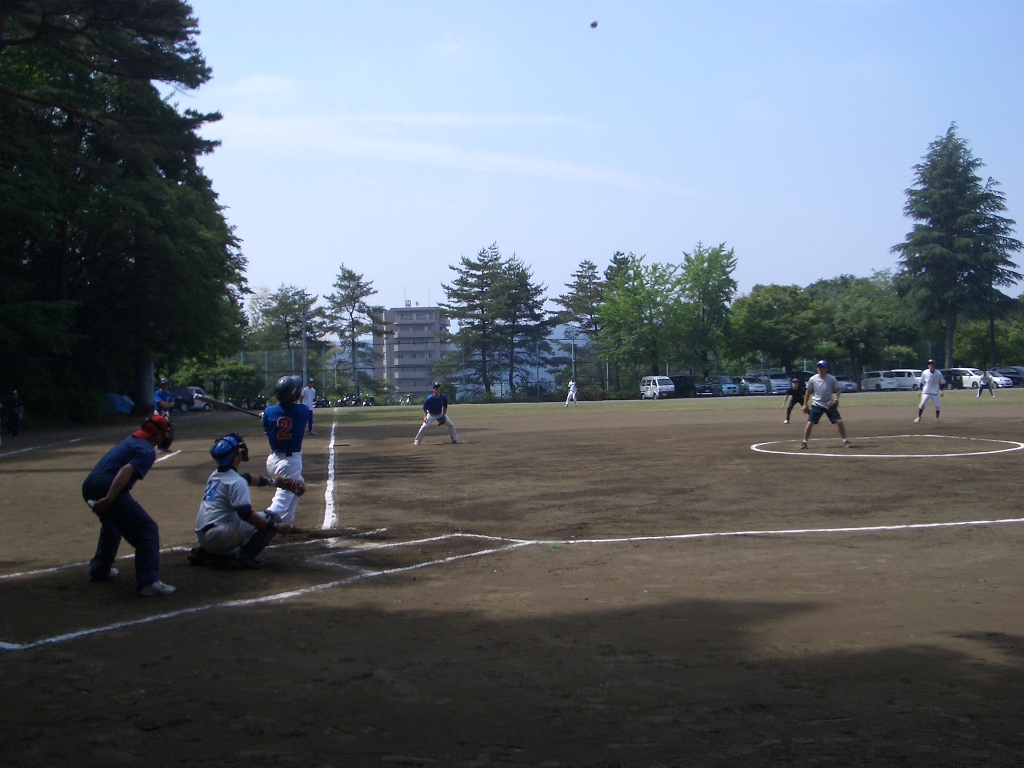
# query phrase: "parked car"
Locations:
[[779, 383], [739, 382], [971, 377], [654, 387], [707, 388], [199, 405], [685, 386], [953, 379], [907, 378], [1014, 373], [877, 381], [998, 380], [846, 384], [728, 386], [184, 399], [755, 386]]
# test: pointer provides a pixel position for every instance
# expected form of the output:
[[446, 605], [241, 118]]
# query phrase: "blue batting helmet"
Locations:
[[224, 450]]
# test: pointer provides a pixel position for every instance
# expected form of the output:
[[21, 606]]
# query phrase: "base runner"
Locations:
[[822, 399]]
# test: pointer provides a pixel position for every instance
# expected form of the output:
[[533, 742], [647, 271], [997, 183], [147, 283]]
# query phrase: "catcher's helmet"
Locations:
[[287, 389], [224, 450]]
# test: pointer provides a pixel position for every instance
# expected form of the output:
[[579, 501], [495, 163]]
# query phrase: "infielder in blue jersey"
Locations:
[[435, 411], [285, 425]]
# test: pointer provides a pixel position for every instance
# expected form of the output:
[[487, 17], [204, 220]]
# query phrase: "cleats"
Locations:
[[157, 589]]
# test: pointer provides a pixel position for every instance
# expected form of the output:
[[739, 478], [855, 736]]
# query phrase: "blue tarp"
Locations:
[[119, 403]]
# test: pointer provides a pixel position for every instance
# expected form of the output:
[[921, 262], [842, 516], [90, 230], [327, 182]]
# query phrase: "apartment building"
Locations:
[[410, 343]]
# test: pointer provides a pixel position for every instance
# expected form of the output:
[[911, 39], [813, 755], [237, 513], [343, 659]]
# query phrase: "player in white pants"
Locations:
[[932, 382], [285, 424], [435, 411], [228, 530], [572, 393]]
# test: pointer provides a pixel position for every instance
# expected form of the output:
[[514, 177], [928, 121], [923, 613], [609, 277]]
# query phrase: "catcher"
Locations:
[[435, 411], [229, 531]]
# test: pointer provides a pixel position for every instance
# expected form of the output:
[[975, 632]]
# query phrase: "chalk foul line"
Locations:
[[501, 544]]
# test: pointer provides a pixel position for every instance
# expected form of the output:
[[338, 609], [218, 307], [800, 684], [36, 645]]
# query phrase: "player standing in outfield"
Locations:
[[228, 530], [285, 425], [163, 400], [822, 398], [796, 392], [572, 393], [932, 383], [107, 490], [986, 383], [435, 411], [309, 400]]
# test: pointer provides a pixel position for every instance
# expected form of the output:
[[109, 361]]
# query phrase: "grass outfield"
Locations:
[[908, 400]]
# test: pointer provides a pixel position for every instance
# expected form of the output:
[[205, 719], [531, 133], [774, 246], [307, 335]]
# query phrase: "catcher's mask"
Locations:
[[224, 450], [157, 424]]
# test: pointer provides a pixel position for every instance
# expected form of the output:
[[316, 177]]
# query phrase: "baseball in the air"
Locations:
[[593, 25]]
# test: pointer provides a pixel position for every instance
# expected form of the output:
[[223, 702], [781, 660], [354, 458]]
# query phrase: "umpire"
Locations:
[[107, 490]]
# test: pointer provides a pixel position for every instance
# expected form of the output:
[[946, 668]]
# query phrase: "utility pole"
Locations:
[[305, 369]]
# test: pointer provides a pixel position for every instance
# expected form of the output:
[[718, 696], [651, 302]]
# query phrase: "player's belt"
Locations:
[[284, 454]]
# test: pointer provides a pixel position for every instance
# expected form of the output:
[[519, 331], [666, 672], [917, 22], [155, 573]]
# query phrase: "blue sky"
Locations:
[[396, 137]]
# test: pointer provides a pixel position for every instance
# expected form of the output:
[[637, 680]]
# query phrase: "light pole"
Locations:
[[572, 334]]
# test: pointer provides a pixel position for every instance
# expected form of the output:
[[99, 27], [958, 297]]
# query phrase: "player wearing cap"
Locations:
[[571, 396], [822, 398], [285, 425], [163, 400], [435, 411], [796, 393], [932, 382], [228, 530], [309, 400], [107, 490]]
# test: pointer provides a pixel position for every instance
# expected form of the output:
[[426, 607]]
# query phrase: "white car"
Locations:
[[877, 381], [970, 376], [907, 378], [998, 380]]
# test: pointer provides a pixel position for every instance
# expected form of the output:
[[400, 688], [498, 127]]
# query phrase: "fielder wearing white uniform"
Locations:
[[435, 411], [309, 400], [228, 530], [932, 382], [572, 394], [285, 425], [822, 399]]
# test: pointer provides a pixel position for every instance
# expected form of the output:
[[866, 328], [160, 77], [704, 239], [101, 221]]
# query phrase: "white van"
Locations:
[[653, 387], [876, 381], [907, 378]]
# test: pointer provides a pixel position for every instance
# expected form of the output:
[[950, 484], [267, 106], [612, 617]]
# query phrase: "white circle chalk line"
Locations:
[[1013, 446]]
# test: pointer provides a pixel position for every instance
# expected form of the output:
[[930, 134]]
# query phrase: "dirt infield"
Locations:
[[620, 584]]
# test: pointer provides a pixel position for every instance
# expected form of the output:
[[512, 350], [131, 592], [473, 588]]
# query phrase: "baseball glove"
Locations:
[[292, 484], [441, 419]]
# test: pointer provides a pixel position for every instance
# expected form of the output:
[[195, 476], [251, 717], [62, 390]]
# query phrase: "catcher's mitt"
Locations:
[[441, 419], [292, 484]]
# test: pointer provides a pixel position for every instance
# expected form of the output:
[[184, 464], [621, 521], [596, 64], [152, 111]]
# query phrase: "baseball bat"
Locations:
[[223, 406]]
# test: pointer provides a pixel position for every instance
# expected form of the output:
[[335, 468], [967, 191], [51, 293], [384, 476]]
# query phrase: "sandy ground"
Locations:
[[553, 591]]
